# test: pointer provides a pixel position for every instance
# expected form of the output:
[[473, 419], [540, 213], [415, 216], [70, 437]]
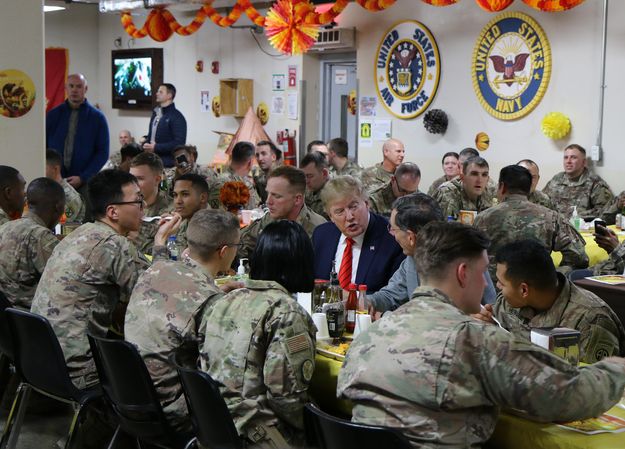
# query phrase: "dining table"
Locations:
[[594, 252], [613, 295]]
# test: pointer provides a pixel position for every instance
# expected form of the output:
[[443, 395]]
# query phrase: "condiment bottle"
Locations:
[[350, 309], [362, 299]]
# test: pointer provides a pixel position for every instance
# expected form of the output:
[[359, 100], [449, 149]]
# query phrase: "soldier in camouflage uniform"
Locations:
[[536, 196], [337, 158], [190, 196], [12, 194], [185, 162], [516, 218], [148, 169], [285, 187], [268, 157], [608, 214], [404, 182], [315, 167], [27, 243], [437, 375], [74, 205], [576, 186], [166, 306], [238, 170], [534, 295], [260, 344], [89, 277], [469, 192], [381, 173], [451, 168]]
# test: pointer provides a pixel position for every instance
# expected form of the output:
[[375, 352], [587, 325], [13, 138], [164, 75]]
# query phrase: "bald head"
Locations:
[[394, 152], [76, 89]]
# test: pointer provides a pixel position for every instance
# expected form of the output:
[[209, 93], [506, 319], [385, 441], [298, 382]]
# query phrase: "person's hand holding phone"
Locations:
[[605, 237]]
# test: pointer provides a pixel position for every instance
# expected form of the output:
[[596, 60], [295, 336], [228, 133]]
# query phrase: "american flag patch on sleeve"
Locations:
[[297, 343]]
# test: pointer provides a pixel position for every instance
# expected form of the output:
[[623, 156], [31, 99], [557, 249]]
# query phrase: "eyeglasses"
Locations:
[[391, 230], [237, 245], [140, 202]]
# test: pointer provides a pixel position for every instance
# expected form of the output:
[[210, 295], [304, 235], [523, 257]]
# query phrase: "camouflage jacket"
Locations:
[[307, 218], [229, 175], [144, 241], [181, 236], [515, 218], [541, 198], [260, 346], [602, 334], [350, 168], [374, 177], [608, 214], [436, 184], [163, 318], [589, 193], [26, 245], [440, 377], [260, 183], [74, 205], [452, 198], [314, 203], [381, 200], [4, 218], [614, 264], [86, 286]]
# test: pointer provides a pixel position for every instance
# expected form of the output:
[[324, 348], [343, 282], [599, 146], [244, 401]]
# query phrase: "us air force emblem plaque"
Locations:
[[511, 66], [407, 69]]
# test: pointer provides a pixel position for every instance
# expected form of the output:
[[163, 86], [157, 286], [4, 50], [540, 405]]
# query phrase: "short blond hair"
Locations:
[[342, 187]]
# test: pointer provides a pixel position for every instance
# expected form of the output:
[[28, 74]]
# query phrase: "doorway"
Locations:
[[338, 79]]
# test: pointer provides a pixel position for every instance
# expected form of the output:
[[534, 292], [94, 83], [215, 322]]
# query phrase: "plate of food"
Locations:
[[334, 348]]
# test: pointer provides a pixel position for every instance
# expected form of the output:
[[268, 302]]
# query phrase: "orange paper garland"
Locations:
[[493, 5], [440, 2], [375, 5], [553, 5]]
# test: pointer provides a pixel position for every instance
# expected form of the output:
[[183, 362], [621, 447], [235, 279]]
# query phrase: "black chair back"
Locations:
[[209, 414], [328, 432], [129, 389], [6, 342], [38, 355]]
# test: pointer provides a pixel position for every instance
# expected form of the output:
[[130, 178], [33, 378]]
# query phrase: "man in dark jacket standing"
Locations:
[[168, 127], [79, 133]]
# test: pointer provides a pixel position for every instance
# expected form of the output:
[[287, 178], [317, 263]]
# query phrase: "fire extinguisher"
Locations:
[[286, 139]]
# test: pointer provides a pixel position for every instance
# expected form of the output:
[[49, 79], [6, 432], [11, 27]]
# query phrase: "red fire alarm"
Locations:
[[215, 67]]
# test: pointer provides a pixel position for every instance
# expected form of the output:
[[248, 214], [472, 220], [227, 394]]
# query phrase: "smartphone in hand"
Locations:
[[601, 227]]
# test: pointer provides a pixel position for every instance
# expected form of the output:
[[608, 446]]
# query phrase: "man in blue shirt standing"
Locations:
[[168, 127], [79, 133]]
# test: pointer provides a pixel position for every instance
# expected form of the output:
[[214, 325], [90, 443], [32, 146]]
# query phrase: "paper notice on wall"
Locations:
[[205, 104], [277, 81], [277, 104], [382, 129], [292, 105], [340, 76], [367, 106], [364, 133]]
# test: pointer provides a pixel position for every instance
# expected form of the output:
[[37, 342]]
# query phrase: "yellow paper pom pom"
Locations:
[[555, 125]]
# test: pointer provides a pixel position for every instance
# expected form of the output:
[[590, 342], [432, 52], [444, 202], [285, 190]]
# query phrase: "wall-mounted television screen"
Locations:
[[137, 73]]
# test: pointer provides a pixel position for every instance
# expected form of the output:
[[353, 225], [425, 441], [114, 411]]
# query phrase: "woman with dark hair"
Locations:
[[260, 343]]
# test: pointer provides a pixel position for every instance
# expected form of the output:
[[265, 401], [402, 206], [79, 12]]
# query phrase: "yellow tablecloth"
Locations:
[[511, 432], [594, 252]]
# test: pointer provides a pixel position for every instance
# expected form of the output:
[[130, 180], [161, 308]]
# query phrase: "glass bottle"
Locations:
[[363, 304], [350, 309]]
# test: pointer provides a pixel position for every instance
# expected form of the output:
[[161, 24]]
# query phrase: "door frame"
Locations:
[[325, 77]]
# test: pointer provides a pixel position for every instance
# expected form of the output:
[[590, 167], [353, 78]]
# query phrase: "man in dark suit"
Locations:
[[356, 241]]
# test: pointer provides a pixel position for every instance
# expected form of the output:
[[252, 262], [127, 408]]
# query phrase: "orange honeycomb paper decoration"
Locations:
[[494, 5], [553, 5], [440, 2], [286, 28]]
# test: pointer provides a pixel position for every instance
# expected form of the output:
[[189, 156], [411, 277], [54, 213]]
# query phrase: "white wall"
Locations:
[[575, 38], [22, 139]]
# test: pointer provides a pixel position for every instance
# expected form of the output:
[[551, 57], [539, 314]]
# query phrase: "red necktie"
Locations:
[[345, 271]]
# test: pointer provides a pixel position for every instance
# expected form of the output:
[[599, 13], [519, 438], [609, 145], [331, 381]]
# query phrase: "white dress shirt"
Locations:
[[356, 248]]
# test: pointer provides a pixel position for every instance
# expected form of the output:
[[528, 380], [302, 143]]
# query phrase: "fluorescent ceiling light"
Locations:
[[47, 8]]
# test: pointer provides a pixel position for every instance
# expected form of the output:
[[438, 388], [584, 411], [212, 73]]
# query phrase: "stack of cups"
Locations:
[[363, 321], [321, 322]]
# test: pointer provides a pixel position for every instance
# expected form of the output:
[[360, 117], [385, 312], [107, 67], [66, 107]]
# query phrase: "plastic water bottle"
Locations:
[[172, 247], [575, 220]]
